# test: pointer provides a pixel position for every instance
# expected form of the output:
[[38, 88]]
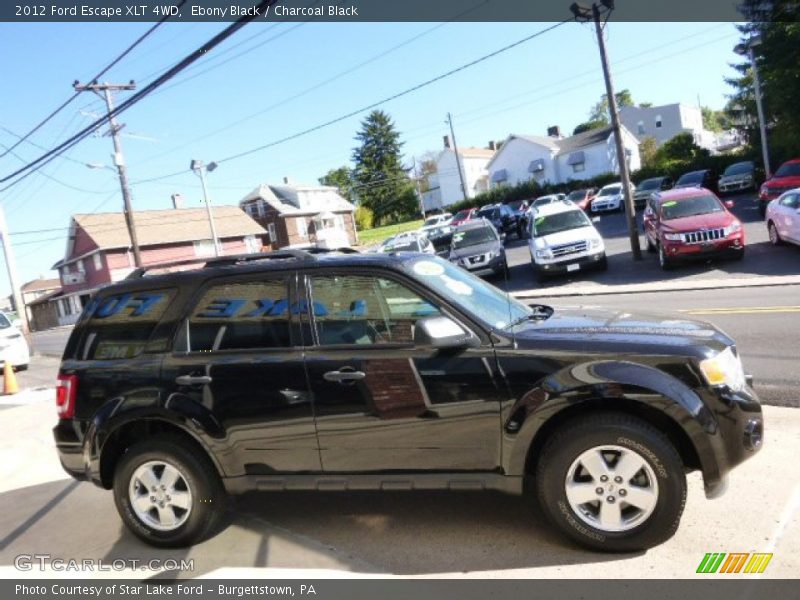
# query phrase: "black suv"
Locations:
[[504, 219], [301, 371]]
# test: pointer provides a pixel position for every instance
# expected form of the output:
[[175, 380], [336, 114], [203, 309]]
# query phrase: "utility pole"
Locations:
[[458, 162], [747, 49], [584, 13], [13, 279], [119, 160], [419, 191], [200, 168]]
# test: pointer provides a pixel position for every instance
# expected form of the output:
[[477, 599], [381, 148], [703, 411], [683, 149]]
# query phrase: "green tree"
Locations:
[[382, 182], [648, 148], [777, 24], [645, 104], [339, 178], [715, 120], [599, 112], [680, 147], [588, 126]]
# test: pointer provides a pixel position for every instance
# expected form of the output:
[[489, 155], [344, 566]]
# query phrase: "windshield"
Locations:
[[577, 195], [649, 184], [739, 169], [789, 170], [4, 322], [490, 213], [432, 221], [564, 221], [473, 237], [689, 207], [461, 215], [543, 200], [471, 293], [610, 191], [694, 177], [515, 205]]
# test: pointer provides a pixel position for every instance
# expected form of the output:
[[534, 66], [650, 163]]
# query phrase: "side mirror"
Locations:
[[728, 203], [503, 237], [442, 332]]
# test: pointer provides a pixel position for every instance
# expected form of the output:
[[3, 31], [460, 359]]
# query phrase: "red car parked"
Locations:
[[463, 216], [691, 223], [786, 178]]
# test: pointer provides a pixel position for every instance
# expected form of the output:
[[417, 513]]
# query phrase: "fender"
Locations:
[[177, 410], [608, 380]]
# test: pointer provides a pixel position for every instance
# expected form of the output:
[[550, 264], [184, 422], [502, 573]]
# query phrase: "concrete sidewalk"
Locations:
[[418, 534]]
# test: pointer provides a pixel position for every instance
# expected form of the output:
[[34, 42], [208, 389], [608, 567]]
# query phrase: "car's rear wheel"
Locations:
[[167, 493], [774, 236], [612, 482]]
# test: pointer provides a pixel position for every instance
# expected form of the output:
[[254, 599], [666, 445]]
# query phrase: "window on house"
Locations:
[[79, 265], [204, 248], [252, 244], [658, 122], [578, 167], [260, 208], [273, 237], [302, 228], [640, 127], [98, 262]]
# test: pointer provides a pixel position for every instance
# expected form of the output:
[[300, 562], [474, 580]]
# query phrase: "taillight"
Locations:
[[66, 389]]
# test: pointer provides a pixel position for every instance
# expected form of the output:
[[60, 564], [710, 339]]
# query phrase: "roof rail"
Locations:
[[236, 259]]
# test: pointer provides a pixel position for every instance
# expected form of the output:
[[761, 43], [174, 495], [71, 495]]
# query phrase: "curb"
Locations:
[[661, 286]]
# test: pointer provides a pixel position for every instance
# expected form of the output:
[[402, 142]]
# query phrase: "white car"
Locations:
[[609, 198], [783, 218], [563, 240], [13, 347], [412, 241]]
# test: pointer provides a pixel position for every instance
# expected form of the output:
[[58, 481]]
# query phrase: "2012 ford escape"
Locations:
[[326, 371]]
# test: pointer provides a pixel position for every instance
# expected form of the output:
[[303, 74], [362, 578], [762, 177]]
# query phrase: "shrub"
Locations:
[[364, 218]]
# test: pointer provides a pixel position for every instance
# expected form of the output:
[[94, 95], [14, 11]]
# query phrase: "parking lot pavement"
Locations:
[[402, 534], [762, 261]]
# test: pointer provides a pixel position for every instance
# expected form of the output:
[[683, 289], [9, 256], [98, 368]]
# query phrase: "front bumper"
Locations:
[[606, 205], [738, 435], [571, 264], [735, 186], [493, 266], [730, 246]]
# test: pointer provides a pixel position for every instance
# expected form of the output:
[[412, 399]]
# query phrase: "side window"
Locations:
[[365, 310], [118, 326], [239, 316], [790, 200]]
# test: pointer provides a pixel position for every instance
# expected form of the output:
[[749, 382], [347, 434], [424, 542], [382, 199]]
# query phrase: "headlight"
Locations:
[[673, 237], [734, 227], [724, 369], [545, 253], [595, 243]]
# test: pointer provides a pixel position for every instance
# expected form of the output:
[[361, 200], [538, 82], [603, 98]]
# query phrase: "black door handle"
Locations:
[[344, 376], [193, 379]]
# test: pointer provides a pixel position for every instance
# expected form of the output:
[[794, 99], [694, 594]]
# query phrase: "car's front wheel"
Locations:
[[774, 236], [663, 259], [167, 494], [612, 482]]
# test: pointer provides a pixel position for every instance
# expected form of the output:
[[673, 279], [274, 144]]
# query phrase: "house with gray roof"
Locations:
[[557, 159]]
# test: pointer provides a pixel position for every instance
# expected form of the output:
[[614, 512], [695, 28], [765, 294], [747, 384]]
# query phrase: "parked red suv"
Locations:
[[691, 223], [786, 178]]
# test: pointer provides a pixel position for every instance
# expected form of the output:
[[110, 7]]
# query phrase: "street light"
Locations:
[[200, 169], [746, 49], [592, 13]]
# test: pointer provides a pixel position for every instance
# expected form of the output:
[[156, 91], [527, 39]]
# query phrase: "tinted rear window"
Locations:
[[118, 326]]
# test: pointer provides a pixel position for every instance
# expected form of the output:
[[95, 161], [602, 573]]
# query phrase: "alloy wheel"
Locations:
[[160, 496], [611, 488]]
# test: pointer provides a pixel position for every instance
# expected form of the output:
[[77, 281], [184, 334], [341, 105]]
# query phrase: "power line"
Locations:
[[111, 65], [177, 68]]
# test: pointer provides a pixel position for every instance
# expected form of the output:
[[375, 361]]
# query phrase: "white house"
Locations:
[[665, 122], [555, 159], [444, 186]]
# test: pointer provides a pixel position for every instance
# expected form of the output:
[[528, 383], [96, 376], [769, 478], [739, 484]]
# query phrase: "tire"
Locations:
[[738, 254], [774, 236], [603, 264], [663, 259], [660, 483], [198, 483]]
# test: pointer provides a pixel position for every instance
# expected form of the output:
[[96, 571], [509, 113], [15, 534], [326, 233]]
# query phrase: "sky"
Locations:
[[271, 81]]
